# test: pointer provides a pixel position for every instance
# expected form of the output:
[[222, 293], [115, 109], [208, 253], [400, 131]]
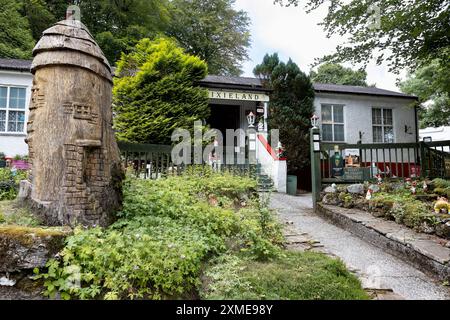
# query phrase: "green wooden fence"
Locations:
[[356, 163], [151, 161]]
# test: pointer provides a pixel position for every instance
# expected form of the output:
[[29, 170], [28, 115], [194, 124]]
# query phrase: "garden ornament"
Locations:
[[76, 170], [442, 206]]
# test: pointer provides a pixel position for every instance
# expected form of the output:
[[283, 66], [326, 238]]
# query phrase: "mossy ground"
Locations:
[[295, 276]]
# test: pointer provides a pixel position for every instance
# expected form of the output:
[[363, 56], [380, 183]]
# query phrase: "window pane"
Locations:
[[17, 98], [377, 134], [339, 132], [326, 113], [16, 121], [3, 96], [388, 134], [376, 116], [338, 113], [2, 121], [327, 132], [387, 116]]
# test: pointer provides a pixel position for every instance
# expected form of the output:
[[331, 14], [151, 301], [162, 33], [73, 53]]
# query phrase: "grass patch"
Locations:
[[13, 214], [295, 276]]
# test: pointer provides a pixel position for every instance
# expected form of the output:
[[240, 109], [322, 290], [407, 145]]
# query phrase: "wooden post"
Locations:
[[315, 166], [76, 171]]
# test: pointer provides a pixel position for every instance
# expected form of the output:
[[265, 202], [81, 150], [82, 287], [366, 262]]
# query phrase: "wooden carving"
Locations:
[[75, 165]]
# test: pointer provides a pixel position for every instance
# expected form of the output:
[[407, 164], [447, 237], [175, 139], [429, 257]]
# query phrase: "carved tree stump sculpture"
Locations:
[[75, 164]]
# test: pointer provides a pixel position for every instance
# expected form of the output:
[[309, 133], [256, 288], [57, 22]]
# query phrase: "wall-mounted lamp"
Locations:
[[251, 118], [408, 129], [315, 121]]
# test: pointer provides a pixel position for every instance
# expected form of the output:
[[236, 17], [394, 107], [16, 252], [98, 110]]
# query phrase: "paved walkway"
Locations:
[[376, 268]]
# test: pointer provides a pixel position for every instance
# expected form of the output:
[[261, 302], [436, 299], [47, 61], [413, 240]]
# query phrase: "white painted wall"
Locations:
[[358, 115], [275, 169], [13, 143]]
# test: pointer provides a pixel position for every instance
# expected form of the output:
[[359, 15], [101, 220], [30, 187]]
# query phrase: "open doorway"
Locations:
[[224, 117]]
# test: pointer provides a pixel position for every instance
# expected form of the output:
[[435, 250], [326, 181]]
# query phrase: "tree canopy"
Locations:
[[431, 84], [409, 33], [335, 73], [16, 40], [212, 30], [155, 92], [291, 107]]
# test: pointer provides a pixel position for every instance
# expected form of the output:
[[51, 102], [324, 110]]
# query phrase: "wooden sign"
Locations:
[[356, 174], [236, 95]]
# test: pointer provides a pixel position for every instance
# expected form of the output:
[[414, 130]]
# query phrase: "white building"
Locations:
[[370, 115], [15, 92], [435, 134]]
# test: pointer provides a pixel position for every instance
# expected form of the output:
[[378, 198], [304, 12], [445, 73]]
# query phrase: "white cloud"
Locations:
[[293, 33]]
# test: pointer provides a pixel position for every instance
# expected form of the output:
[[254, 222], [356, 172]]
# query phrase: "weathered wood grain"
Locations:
[[76, 172]]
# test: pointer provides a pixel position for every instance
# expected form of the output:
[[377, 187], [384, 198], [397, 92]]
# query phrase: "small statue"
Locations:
[[379, 179], [369, 194], [425, 186], [442, 206], [414, 188]]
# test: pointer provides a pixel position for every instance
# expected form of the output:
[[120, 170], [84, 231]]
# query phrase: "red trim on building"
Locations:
[[269, 148]]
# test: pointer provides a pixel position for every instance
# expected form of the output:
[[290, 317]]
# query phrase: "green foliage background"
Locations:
[[291, 107], [210, 29], [335, 73]]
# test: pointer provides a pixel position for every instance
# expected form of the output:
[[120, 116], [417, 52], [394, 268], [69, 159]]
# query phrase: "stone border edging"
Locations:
[[421, 250]]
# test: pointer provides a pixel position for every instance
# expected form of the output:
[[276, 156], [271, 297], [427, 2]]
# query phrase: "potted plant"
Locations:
[[2, 160]]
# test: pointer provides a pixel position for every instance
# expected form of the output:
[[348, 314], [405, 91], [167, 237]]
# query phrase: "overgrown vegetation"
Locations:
[[168, 235], [9, 183], [13, 214], [396, 201]]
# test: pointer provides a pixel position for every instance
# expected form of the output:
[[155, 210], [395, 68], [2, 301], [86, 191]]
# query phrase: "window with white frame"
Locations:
[[333, 122], [383, 125], [12, 109]]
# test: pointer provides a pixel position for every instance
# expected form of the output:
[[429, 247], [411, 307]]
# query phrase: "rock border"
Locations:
[[425, 252]]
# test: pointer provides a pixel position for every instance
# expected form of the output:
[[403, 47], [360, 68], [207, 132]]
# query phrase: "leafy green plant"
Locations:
[[167, 230], [9, 183]]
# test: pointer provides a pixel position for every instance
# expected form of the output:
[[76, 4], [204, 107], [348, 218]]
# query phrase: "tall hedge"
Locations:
[[155, 92]]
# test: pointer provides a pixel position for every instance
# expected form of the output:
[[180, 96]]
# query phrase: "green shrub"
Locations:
[[165, 233], [296, 276], [9, 183], [441, 183]]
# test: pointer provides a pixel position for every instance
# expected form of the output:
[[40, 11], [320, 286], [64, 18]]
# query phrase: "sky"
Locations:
[[293, 33]]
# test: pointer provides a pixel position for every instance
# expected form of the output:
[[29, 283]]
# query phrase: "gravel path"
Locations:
[[376, 268]]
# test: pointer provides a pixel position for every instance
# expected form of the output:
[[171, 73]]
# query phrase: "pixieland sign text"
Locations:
[[235, 95]]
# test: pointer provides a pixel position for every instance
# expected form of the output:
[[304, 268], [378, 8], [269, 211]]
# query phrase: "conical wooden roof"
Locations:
[[69, 42]]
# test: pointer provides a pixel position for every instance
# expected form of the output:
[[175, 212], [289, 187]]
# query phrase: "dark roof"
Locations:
[[371, 91], [226, 82], [15, 64]]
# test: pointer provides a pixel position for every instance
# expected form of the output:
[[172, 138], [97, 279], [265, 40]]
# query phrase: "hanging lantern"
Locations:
[[315, 121]]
